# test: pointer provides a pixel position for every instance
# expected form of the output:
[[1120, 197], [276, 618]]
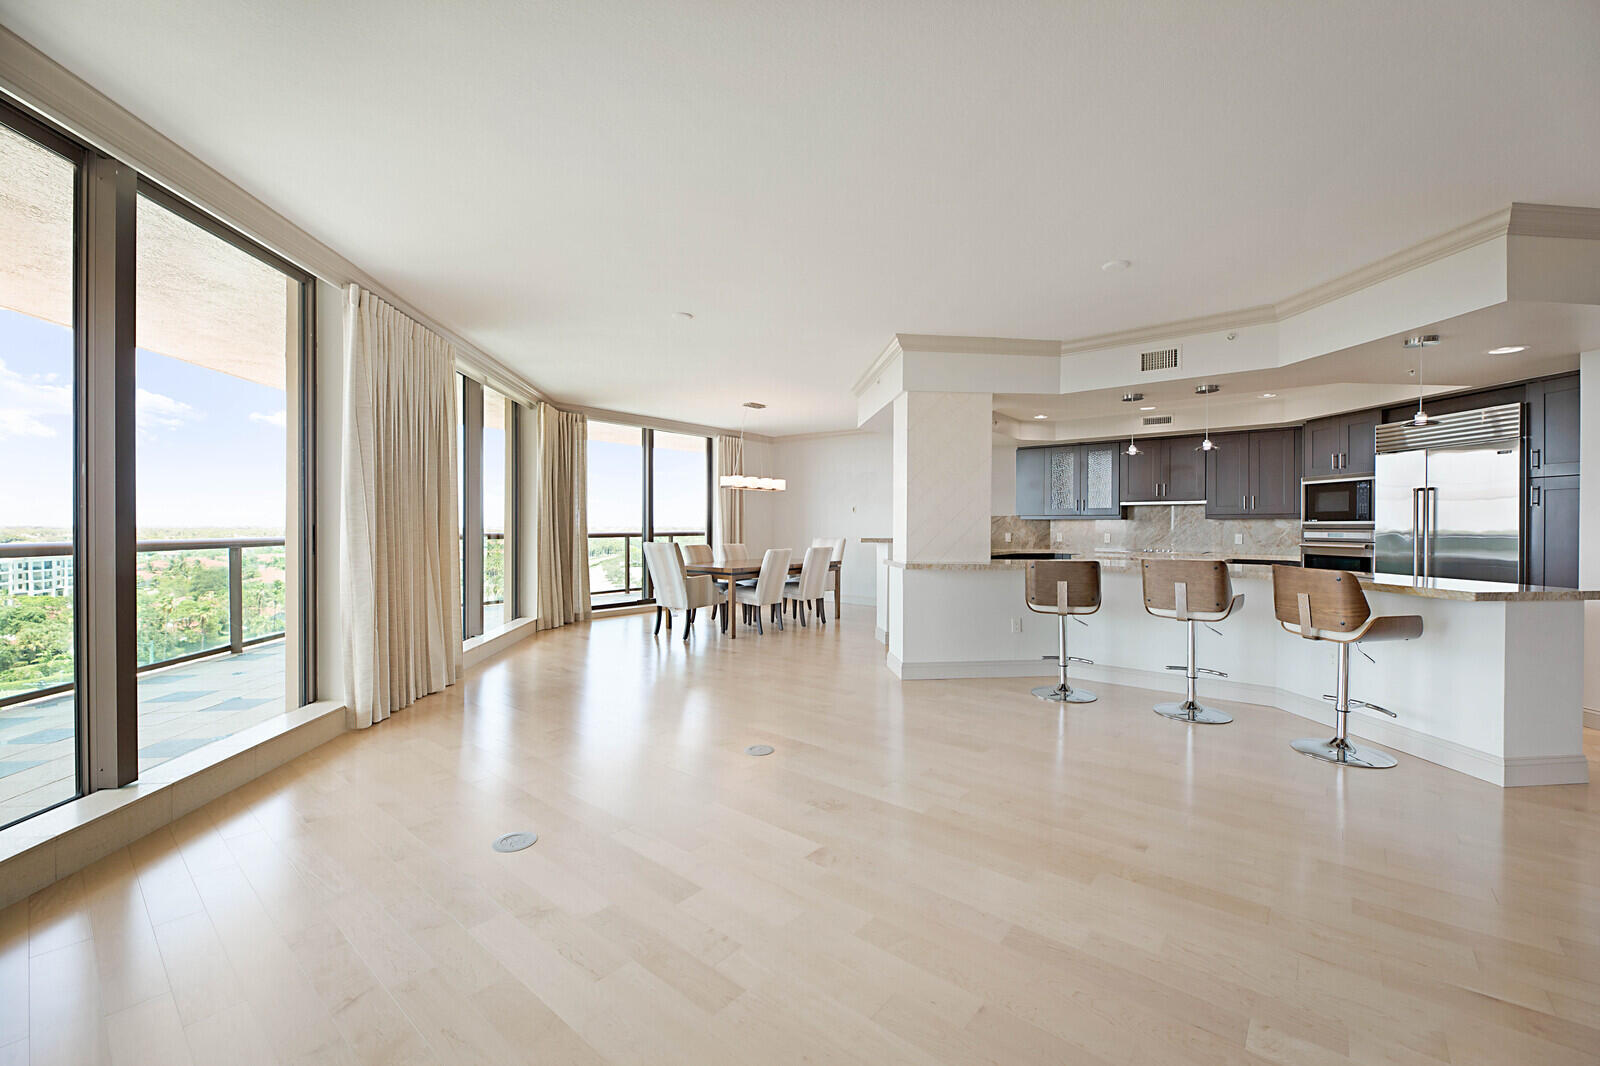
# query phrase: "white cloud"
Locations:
[[155, 410], [276, 418], [27, 401]]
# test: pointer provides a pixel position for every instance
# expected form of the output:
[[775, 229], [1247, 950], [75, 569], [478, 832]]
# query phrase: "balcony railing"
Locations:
[[152, 657], [629, 554]]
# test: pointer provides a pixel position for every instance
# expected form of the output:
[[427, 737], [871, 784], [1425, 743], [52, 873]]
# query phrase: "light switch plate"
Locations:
[[1238, 538], [1108, 538], [1016, 625]]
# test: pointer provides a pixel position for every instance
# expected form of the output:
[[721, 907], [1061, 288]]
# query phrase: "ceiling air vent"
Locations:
[[1157, 420], [1160, 359]]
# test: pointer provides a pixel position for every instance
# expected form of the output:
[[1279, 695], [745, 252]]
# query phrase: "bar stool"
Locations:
[[1064, 587], [1329, 605], [1191, 591]]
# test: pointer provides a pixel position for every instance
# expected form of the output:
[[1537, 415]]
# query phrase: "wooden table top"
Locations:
[[743, 566]]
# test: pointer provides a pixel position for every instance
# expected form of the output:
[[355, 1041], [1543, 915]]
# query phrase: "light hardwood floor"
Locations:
[[934, 872]]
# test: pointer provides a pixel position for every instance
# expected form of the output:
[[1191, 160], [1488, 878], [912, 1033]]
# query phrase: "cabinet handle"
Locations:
[[1244, 503], [1536, 462], [1252, 501], [1538, 495], [1333, 460]]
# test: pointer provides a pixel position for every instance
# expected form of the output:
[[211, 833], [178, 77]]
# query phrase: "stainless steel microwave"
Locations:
[[1337, 501]]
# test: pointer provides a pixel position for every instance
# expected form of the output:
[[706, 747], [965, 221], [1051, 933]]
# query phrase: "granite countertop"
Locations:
[[1449, 588]]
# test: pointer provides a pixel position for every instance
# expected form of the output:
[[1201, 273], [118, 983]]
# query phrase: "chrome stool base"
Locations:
[[1189, 711], [1064, 694], [1344, 753]]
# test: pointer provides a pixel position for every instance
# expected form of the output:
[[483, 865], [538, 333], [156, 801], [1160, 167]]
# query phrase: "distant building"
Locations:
[[47, 576]]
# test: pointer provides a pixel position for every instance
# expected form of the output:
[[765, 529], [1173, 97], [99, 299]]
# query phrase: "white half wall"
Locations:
[[839, 486], [1003, 480], [943, 458]]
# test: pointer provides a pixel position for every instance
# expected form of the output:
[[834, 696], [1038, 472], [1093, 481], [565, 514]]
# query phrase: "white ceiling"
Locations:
[[553, 180]]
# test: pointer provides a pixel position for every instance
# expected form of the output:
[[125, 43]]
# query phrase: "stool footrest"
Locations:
[[1177, 668], [1374, 707], [1075, 659], [1213, 673]]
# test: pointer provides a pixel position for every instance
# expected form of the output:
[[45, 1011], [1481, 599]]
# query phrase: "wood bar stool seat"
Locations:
[[1191, 591], [1065, 588], [1329, 605]]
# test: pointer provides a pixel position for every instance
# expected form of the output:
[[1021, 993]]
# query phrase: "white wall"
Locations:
[[1003, 479], [838, 487]]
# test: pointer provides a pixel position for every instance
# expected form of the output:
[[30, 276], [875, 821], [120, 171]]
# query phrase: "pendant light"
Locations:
[[1419, 342], [1207, 445], [741, 482], [1132, 449]]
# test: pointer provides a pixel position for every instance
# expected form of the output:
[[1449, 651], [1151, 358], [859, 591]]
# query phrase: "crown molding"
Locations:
[[801, 438], [1555, 220], [1249, 316], [943, 345], [44, 86], [890, 353], [666, 425]]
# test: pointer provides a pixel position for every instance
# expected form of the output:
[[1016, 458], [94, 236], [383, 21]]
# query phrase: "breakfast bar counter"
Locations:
[[1492, 688]]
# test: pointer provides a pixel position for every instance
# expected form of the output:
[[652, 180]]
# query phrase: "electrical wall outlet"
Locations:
[[1060, 537], [1238, 538], [1008, 538], [1108, 538], [1016, 625]]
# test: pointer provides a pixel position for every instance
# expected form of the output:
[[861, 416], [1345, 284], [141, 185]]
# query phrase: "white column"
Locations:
[[943, 455], [1589, 529]]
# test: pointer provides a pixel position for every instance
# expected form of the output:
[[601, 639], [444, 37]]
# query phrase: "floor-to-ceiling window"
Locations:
[[155, 555], [218, 331], [643, 484], [38, 527], [488, 447]]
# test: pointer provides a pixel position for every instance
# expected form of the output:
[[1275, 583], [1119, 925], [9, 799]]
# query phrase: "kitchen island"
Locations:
[[1493, 688]]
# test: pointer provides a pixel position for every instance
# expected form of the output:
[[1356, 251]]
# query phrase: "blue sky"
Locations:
[[211, 447], [615, 488]]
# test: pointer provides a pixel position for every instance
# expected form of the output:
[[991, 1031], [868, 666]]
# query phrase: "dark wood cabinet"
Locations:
[[1166, 470], [1553, 531], [1030, 481], [1553, 427], [1254, 475], [1068, 481], [1341, 445]]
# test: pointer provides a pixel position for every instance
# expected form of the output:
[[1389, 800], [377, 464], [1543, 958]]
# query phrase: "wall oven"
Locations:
[[1345, 501], [1354, 556]]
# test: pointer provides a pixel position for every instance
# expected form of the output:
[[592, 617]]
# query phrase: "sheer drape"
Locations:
[[398, 530], [730, 503], [563, 540]]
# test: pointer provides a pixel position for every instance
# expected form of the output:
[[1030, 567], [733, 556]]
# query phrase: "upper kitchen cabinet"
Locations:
[[1068, 481], [1341, 445], [1166, 470], [1553, 424], [1254, 475]]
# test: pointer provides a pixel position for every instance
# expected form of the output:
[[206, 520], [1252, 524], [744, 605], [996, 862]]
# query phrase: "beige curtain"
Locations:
[[398, 526], [563, 540], [730, 504]]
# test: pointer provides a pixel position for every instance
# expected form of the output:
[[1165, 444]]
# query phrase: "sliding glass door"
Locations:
[[643, 484], [156, 563], [39, 734], [488, 446]]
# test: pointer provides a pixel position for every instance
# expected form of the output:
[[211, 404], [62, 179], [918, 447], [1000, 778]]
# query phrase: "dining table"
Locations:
[[734, 569]]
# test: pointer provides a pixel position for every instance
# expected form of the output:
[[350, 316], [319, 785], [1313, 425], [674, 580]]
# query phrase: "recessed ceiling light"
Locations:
[[1150, 408], [1510, 349], [1041, 416], [1269, 396], [686, 315], [1111, 266]]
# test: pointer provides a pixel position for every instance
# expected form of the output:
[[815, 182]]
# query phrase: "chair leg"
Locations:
[[1191, 710], [822, 610], [658, 620], [688, 623], [1339, 749], [803, 621], [1061, 692]]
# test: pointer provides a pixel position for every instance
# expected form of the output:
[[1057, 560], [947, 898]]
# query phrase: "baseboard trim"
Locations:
[[478, 649], [1512, 772], [65, 839], [1591, 718]]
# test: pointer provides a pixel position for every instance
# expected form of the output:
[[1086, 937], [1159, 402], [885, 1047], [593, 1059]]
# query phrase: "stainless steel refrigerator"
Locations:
[[1448, 496]]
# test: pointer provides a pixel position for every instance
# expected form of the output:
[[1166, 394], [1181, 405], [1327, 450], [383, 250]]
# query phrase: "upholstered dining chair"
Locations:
[[767, 592], [806, 590], [831, 582], [701, 555], [675, 590]]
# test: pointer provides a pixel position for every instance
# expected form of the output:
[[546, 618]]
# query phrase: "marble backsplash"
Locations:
[[1183, 527]]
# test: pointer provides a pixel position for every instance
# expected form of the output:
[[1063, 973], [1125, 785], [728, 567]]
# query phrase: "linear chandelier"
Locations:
[[742, 482]]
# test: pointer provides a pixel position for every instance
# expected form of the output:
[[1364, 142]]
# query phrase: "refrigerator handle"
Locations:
[[1416, 533], [1430, 522]]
